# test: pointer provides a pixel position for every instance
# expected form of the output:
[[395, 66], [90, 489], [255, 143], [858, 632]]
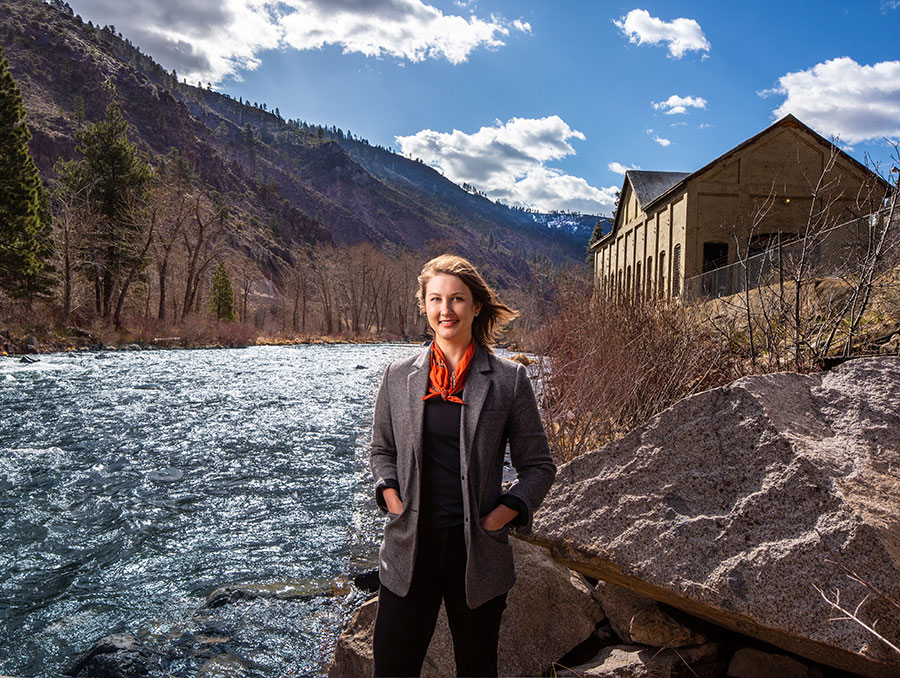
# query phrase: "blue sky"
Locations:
[[542, 103]]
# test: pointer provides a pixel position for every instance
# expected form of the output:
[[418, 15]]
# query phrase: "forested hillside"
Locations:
[[290, 182]]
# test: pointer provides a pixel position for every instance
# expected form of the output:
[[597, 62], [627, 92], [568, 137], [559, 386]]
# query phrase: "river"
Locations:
[[132, 484]]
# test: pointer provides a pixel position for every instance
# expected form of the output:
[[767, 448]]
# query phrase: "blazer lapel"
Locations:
[[417, 385], [478, 383]]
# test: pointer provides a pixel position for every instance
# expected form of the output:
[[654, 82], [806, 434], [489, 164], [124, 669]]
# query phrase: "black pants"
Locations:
[[404, 625]]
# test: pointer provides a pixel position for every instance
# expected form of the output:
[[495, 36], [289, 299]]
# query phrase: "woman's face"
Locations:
[[450, 308]]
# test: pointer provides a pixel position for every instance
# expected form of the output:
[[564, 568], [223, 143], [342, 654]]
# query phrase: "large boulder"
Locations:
[[721, 506], [548, 612]]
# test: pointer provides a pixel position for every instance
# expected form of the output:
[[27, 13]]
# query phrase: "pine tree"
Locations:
[[597, 232], [221, 302], [111, 181], [25, 244]]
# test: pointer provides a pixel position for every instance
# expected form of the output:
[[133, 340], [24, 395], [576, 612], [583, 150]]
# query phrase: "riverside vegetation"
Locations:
[[319, 232]]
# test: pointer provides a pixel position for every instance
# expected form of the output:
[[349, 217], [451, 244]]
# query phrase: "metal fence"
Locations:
[[829, 253]]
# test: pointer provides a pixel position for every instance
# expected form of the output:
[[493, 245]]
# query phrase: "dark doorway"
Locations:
[[715, 255]]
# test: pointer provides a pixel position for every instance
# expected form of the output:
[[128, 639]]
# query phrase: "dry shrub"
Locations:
[[609, 366], [198, 330]]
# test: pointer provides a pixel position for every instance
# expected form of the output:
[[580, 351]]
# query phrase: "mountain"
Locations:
[[287, 181]]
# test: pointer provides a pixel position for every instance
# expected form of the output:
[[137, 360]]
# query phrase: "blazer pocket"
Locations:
[[501, 535]]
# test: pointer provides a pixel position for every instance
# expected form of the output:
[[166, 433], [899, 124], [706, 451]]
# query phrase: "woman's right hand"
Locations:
[[392, 500]]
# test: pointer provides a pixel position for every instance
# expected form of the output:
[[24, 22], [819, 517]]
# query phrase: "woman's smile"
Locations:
[[450, 309]]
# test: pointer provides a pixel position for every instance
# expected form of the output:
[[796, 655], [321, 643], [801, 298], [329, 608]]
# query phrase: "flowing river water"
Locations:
[[132, 484]]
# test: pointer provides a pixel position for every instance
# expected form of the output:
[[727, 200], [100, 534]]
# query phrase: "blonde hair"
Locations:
[[492, 316]]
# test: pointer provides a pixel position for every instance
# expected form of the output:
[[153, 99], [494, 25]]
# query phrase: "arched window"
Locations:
[[662, 274], [638, 280], [649, 282]]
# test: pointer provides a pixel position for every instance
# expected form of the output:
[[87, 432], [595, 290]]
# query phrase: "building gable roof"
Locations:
[[787, 121], [650, 185]]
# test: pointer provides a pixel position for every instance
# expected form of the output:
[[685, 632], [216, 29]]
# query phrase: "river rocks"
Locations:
[[32, 345], [634, 661], [716, 506], [303, 589], [637, 619], [549, 611], [116, 656], [750, 663]]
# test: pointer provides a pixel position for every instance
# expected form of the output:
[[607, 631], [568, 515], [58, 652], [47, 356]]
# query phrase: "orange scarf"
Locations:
[[440, 381]]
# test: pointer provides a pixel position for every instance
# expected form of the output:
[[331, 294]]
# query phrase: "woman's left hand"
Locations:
[[498, 518]]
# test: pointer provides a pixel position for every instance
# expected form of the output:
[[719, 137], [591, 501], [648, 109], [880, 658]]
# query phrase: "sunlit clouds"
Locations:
[[210, 39], [619, 168], [844, 99], [508, 161], [677, 105], [680, 35]]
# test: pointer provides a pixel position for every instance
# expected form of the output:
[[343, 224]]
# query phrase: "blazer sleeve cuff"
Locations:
[[379, 492], [516, 504]]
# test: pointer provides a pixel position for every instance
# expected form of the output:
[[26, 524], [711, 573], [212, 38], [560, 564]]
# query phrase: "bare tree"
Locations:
[[174, 210], [202, 239]]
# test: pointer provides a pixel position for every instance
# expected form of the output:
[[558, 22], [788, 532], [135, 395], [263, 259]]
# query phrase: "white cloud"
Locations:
[[619, 168], [662, 142], [211, 39], [682, 35], [844, 99], [678, 105], [508, 161]]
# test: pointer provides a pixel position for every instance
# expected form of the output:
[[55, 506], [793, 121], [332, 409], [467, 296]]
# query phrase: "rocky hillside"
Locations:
[[286, 180]]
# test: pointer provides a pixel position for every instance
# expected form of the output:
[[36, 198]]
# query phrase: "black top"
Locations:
[[442, 499]]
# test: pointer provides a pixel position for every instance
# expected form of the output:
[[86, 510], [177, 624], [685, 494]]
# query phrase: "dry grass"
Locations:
[[608, 367]]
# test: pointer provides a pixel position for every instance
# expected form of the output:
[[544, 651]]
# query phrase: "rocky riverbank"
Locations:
[[723, 535], [76, 339]]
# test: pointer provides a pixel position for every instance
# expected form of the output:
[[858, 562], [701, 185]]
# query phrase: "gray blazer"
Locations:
[[500, 407]]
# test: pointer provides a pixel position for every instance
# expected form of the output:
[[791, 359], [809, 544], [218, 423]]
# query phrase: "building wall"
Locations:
[[764, 188]]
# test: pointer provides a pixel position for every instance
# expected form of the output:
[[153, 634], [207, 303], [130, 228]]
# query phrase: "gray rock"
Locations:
[[549, 611], [715, 506], [637, 619], [752, 663], [32, 345], [353, 652], [300, 589], [116, 656], [636, 661]]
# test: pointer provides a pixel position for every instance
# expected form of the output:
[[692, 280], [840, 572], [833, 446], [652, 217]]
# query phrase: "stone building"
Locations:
[[670, 226]]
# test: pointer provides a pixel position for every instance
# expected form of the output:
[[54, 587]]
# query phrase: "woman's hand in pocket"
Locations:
[[498, 518], [392, 500]]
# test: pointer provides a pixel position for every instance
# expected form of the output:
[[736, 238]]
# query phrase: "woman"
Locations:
[[442, 421]]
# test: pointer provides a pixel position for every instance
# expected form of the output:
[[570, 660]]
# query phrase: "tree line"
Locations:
[[116, 239]]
